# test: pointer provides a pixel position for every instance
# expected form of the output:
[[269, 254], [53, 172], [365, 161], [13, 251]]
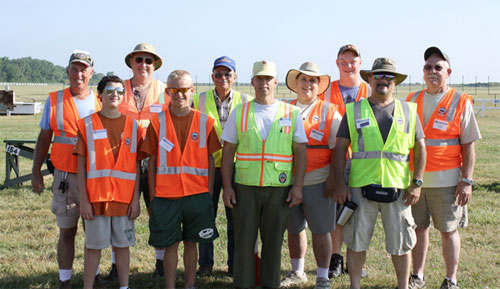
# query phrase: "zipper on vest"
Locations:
[[262, 162]]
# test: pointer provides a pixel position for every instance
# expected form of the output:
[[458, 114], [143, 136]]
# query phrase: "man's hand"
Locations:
[[412, 195], [134, 209], [229, 197], [341, 193], [294, 196], [86, 210], [463, 193], [37, 181]]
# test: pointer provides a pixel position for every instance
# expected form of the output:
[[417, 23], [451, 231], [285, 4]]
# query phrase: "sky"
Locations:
[[190, 35]]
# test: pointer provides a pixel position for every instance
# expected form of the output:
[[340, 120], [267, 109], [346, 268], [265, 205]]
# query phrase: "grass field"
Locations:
[[28, 232]]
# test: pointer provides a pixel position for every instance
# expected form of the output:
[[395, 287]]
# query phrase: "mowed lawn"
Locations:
[[28, 231]]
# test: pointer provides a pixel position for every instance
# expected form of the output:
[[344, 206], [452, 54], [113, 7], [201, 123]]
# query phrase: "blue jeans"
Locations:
[[206, 249]]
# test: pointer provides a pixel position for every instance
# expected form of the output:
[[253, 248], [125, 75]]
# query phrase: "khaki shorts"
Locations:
[[318, 211], [439, 204], [66, 206], [103, 231], [399, 226]]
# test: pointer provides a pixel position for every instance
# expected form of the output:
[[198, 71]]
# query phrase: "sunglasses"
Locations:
[[389, 77], [140, 59], [220, 74], [110, 90], [171, 90], [429, 67]]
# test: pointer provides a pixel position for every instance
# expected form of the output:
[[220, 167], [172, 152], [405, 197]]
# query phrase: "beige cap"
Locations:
[[264, 68]]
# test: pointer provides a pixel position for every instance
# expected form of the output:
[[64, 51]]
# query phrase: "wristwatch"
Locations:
[[418, 182], [467, 181]]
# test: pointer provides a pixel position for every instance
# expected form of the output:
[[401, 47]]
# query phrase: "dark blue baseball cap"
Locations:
[[225, 61]]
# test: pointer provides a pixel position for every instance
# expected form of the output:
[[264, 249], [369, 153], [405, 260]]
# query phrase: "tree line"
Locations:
[[27, 69]]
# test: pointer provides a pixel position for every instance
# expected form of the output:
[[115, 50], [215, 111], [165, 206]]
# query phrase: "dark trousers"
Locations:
[[257, 209], [206, 249]]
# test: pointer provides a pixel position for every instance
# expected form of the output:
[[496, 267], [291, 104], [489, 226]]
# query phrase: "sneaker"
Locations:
[[159, 268], [415, 282], [447, 284], [293, 279], [204, 271], [336, 266], [63, 285], [97, 281], [323, 283], [112, 276]]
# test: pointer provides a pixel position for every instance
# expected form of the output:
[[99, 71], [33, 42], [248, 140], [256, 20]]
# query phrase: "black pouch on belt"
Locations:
[[378, 194]]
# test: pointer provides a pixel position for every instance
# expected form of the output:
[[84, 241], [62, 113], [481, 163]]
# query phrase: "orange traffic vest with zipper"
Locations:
[[442, 131], [317, 127], [180, 174], [63, 118], [333, 95], [109, 179]]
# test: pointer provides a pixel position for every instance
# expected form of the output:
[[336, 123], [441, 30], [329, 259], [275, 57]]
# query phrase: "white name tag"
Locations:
[[166, 144], [144, 122], [285, 122], [155, 108], [100, 134], [360, 123], [316, 134], [440, 124]]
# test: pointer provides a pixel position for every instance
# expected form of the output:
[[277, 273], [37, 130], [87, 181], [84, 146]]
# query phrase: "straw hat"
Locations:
[[147, 48], [383, 65], [310, 69]]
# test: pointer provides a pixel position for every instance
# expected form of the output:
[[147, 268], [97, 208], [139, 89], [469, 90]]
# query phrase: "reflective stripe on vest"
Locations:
[[63, 139], [163, 169], [93, 172]]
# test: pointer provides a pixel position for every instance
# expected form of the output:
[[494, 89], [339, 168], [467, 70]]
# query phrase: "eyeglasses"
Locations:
[[140, 59], [220, 74], [388, 77], [429, 67], [347, 63], [171, 90], [111, 89]]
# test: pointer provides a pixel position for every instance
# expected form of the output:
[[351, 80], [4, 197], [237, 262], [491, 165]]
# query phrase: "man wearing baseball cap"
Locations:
[[348, 88], [144, 97], [450, 132], [381, 131], [218, 103], [268, 139], [62, 110]]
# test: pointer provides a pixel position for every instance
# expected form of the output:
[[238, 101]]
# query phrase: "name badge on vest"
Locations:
[[360, 123], [285, 122], [316, 134], [166, 144], [440, 124], [155, 108], [144, 122], [100, 134]]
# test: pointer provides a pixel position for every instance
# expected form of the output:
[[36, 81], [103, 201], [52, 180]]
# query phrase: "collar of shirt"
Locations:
[[228, 99]]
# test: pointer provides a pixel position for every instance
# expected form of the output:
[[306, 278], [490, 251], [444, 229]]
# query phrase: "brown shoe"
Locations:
[[204, 271]]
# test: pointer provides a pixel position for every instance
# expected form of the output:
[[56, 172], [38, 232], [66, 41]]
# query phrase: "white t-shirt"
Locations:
[[320, 175], [264, 117], [469, 132]]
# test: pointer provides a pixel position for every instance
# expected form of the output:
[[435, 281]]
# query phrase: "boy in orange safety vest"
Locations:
[[107, 147]]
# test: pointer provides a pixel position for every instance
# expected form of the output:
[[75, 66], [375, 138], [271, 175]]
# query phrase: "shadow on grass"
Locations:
[[492, 187]]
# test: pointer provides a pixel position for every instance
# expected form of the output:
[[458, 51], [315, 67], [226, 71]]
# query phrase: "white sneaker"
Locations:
[[293, 279]]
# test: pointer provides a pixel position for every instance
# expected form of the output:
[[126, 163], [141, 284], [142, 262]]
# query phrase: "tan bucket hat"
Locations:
[[310, 69], [383, 65], [147, 48]]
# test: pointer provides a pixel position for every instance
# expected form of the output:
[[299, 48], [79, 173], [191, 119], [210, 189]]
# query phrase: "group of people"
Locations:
[[282, 165]]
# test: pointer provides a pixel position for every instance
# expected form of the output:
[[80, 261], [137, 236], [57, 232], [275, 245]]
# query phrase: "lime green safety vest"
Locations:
[[265, 163], [205, 102], [376, 162]]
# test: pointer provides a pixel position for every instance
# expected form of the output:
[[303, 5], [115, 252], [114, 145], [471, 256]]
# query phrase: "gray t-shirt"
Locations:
[[384, 116]]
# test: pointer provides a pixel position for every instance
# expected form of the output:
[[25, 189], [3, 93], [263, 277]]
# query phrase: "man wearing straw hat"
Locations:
[[321, 122], [381, 131], [268, 139], [144, 97]]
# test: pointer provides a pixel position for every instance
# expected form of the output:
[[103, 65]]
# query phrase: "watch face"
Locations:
[[418, 182]]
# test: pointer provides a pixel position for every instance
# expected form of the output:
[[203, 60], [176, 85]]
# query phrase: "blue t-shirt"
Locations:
[[85, 107], [349, 94]]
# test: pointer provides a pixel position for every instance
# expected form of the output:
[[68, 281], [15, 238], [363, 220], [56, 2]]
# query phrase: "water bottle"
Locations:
[[346, 212]]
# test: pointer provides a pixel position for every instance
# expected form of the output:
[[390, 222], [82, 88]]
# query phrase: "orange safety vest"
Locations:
[[180, 174], [442, 131], [109, 179], [317, 127], [151, 103], [63, 118], [333, 95]]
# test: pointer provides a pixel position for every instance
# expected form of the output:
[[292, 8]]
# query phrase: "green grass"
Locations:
[[28, 231]]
